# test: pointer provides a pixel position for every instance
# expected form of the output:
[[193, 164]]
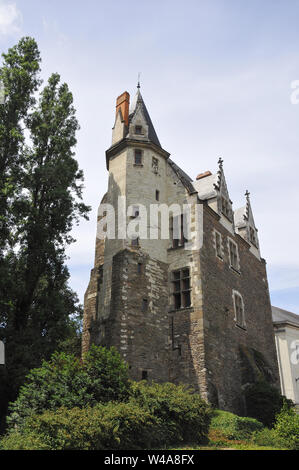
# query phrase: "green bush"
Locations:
[[17, 441], [183, 415], [268, 438], [65, 381], [263, 402], [105, 427], [233, 426], [287, 427]]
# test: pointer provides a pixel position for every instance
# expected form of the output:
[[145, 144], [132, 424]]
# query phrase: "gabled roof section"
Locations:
[[244, 215], [280, 315], [138, 104], [209, 187], [183, 177]]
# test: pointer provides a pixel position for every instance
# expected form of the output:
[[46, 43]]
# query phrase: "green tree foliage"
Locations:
[[66, 381], [263, 402], [40, 201]]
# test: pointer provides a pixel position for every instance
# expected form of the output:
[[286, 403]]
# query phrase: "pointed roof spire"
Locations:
[[137, 104], [138, 84]]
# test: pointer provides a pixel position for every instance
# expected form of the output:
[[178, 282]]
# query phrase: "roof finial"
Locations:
[[220, 163], [247, 194], [138, 84]]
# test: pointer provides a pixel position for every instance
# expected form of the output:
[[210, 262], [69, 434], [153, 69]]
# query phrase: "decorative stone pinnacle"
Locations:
[[220, 163], [247, 194]]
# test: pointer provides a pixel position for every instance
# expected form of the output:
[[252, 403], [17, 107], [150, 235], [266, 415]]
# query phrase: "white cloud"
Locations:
[[10, 18]]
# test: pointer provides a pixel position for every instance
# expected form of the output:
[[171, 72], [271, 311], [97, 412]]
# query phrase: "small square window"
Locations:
[[138, 130]]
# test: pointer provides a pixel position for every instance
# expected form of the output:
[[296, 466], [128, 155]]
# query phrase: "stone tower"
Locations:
[[178, 285]]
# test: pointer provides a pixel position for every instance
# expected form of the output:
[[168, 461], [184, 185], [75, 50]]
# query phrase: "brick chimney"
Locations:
[[123, 104], [203, 175]]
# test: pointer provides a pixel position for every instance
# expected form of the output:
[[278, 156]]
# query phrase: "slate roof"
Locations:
[[283, 316], [138, 101]]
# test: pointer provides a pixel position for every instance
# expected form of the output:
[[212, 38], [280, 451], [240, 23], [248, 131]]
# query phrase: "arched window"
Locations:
[[239, 309]]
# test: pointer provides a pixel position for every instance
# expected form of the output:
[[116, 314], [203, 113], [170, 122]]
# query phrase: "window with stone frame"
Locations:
[[252, 236], [138, 157], [226, 208], [233, 255], [138, 130], [181, 288], [218, 244], [176, 227], [239, 309]]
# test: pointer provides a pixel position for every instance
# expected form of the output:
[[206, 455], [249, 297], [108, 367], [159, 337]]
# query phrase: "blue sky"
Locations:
[[216, 77]]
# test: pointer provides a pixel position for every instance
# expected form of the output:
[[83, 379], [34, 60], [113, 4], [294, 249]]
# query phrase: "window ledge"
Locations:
[[235, 270], [138, 164], [241, 327], [180, 309], [176, 247]]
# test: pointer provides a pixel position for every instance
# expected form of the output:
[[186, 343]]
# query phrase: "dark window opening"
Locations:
[[157, 195], [176, 226], [138, 130], [181, 288], [138, 157], [144, 305], [144, 375], [139, 268]]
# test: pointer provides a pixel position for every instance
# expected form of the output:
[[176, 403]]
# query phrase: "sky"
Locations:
[[216, 77]]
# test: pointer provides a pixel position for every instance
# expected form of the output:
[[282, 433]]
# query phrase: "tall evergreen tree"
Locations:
[[41, 200]]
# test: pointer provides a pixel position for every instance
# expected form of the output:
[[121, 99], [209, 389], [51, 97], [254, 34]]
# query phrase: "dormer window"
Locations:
[[252, 236], [226, 208], [138, 130], [138, 157]]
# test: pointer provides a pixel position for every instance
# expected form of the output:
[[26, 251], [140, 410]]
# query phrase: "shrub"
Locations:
[[287, 427], [263, 402], [233, 426], [268, 438], [183, 415], [17, 441], [65, 381], [105, 427]]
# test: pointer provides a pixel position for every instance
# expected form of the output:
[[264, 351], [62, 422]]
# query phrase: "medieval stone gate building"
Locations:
[[194, 310]]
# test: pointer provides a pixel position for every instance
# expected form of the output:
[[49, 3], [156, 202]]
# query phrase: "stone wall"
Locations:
[[226, 345]]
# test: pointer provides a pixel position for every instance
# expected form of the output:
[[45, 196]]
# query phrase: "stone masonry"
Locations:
[[194, 311]]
